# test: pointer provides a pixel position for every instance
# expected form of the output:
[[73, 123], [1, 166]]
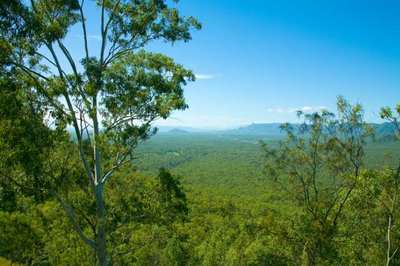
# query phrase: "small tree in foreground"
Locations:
[[109, 99], [391, 189], [318, 167]]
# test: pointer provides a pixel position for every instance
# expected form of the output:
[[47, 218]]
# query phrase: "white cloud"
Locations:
[[287, 110], [94, 37], [204, 76]]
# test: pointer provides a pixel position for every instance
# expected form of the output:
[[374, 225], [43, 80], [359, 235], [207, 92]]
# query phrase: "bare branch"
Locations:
[[72, 113], [83, 21], [103, 34], [28, 70], [109, 173], [112, 15], [69, 58], [46, 58], [118, 52]]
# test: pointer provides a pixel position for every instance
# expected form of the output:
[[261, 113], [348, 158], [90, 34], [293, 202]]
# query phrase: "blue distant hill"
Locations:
[[383, 132], [268, 129], [169, 129], [177, 131]]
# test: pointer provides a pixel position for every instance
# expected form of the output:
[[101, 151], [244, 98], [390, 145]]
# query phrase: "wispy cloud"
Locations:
[[94, 37], [286, 110], [204, 76]]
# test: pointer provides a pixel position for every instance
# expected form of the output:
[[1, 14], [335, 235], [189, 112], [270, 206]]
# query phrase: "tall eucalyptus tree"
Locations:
[[109, 97]]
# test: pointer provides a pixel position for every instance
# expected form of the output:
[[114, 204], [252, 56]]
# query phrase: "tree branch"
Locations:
[[72, 218], [103, 35], [28, 70], [109, 173], [85, 40], [69, 58], [73, 117]]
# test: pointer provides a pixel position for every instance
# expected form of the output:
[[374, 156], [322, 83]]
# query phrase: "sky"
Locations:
[[258, 61]]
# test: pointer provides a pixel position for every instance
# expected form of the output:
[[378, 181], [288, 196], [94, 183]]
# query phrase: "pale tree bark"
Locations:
[[101, 244], [389, 228], [389, 253], [101, 241]]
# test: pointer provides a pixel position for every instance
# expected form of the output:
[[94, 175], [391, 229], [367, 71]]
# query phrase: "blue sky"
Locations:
[[260, 60]]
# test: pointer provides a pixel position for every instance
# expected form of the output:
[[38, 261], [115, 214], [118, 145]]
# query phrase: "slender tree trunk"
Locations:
[[388, 247], [101, 247], [101, 244], [389, 253]]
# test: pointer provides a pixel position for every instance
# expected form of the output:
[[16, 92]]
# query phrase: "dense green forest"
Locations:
[[85, 179], [219, 207]]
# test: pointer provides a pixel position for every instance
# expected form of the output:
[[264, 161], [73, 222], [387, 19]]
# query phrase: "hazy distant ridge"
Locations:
[[267, 129], [384, 130]]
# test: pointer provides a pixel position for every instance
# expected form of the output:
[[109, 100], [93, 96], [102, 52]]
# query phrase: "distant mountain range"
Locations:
[[253, 129], [169, 129], [383, 131], [267, 129], [270, 129], [177, 131]]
